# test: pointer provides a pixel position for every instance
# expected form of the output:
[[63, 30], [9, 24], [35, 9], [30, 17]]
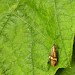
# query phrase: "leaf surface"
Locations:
[[69, 70], [28, 29]]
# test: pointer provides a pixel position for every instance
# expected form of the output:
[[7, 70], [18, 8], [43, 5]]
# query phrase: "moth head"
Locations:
[[54, 47]]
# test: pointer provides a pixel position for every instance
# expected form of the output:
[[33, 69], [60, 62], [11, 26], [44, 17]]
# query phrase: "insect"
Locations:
[[52, 56]]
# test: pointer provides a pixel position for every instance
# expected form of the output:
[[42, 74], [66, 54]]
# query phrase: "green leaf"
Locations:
[[70, 70], [28, 29]]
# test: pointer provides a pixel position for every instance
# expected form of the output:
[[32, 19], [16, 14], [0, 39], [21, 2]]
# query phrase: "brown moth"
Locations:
[[52, 56]]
